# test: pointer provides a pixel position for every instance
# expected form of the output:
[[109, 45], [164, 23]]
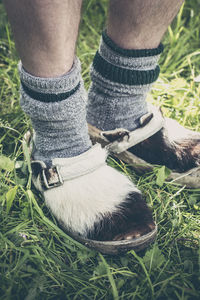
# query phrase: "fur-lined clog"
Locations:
[[158, 141], [95, 204]]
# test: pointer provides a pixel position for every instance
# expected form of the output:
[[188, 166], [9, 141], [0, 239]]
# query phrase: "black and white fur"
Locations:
[[173, 146], [101, 205]]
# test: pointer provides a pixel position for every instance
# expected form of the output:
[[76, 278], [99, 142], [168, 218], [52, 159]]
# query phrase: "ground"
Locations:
[[37, 259]]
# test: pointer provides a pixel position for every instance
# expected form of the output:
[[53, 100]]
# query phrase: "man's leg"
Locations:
[[135, 24], [127, 61], [123, 71], [95, 200], [45, 34]]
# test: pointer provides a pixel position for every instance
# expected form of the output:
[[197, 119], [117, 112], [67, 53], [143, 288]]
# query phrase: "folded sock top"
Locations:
[[61, 84], [127, 62], [123, 75], [114, 68]]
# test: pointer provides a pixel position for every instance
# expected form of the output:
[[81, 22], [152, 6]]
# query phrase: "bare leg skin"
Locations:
[[45, 34], [136, 24]]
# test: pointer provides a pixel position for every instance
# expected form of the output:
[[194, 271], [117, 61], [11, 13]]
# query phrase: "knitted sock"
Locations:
[[120, 81], [57, 108]]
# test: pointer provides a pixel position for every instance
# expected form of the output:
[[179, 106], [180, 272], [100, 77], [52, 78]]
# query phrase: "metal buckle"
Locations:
[[51, 177]]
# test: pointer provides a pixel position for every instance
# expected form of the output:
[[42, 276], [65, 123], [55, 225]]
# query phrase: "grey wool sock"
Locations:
[[120, 81], [57, 108]]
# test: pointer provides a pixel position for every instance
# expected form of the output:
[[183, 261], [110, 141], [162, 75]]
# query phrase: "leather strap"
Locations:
[[127, 139], [63, 169]]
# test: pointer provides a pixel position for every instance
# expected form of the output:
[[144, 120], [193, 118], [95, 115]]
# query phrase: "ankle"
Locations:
[[121, 79]]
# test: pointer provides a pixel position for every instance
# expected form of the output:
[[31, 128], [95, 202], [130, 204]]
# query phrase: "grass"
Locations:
[[37, 259]]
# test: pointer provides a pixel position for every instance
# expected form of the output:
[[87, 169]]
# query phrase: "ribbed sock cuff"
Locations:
[[127, 67], [55, 97], [39, 86], [124, 76]]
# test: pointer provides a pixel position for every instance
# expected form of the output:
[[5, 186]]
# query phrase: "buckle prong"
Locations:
[[52, 177]]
